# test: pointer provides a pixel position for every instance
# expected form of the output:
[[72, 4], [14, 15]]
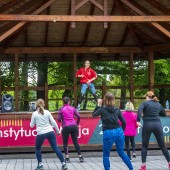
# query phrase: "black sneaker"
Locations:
[[134, 155], [64, 167], [39, 167], [81, 159], [67, 160]]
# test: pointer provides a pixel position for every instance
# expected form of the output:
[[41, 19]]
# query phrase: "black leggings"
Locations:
[[66, 131], [128, 140], [154, 127]]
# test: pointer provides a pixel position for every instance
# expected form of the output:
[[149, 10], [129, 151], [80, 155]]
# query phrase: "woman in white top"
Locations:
[[44, 126]]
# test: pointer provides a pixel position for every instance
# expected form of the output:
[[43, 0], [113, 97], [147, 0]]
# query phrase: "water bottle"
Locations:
[[167, 104]]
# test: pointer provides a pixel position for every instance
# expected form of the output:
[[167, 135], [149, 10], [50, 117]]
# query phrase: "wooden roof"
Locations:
[[133, 27]]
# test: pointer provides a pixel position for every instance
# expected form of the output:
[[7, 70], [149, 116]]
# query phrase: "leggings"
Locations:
[[50, 136], [66, 131], [109, 138], [128, 140], [154, 127]]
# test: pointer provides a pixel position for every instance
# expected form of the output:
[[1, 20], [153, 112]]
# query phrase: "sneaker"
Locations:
[[134, 155], [143, 167], [64, 167], [39, 167], [67, 160], [81, 159]]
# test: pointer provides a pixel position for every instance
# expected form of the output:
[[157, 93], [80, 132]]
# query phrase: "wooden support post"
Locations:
[[131, 78], [151, 70], [16, 97], [46, 95], [103, 88], [73, 12], [75, 79]]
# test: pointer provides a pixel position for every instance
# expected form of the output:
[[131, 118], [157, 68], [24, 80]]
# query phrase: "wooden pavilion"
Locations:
[[74, 30]]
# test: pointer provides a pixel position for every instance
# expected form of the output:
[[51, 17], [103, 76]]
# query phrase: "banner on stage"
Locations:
[[18, 132]]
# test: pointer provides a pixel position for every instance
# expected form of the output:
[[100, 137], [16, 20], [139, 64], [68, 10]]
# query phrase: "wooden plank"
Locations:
[[68, 50], [83, 18]]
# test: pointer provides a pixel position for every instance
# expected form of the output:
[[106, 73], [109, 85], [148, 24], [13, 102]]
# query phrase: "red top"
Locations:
[[88, 74]]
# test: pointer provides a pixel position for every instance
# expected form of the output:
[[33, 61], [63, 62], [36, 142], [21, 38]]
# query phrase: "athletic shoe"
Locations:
[[64, 167], [134, 155], [143, 167], [39, 167], [81, 159], [67, 160]]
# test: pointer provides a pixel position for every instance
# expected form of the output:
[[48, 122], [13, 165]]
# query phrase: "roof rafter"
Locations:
[[14, 36], [21, 24], [158, 26], [150, 27], [130, 26]]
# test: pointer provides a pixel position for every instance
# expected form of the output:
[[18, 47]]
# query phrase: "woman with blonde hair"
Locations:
[[130, 130], [151, 109], [44, 126], [112, 130]]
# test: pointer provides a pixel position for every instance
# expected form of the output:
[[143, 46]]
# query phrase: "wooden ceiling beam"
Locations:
[[68, 50], [150, 27], [156, 25], [83, 18], [158, 47], [21, 24]]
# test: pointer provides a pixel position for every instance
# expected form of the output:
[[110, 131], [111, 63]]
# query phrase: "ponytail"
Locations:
[[40, 106]]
